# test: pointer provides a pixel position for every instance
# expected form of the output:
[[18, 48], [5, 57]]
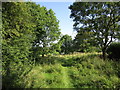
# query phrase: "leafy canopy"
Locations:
[[98, 21]]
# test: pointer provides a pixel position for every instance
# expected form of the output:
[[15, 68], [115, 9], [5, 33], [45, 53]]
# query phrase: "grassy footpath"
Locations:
[[66, 78]]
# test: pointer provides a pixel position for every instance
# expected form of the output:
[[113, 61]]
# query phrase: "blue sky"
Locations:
[[63, 15]]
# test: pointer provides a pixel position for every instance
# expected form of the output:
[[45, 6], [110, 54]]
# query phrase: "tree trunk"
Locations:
[[43, 55], [43, 52], [104, 53]]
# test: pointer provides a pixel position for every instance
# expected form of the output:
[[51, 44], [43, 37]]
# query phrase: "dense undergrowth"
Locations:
[[66, 71]]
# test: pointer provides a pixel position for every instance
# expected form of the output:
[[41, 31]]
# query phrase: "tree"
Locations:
[[51, 31], [56, 48], [47, 29], [66, 46], [98, 21], [82, 43]]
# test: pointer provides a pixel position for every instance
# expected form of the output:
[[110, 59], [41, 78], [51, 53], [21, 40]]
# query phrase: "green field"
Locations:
[[66, 71]]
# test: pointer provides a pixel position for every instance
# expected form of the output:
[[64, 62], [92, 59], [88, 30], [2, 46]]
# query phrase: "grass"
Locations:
[[84, 70], [66, 79]]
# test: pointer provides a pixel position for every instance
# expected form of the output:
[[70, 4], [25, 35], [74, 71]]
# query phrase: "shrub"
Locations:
[[92, 49], [113, 51], [17, 74]]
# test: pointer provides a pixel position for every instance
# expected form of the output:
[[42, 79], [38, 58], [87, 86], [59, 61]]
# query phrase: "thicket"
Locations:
[[28, 31]]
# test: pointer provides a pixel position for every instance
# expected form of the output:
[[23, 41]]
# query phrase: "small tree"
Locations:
[[66, 46]]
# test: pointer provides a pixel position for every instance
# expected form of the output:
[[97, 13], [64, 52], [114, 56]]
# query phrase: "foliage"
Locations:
[[16, 33], [56, 48], [45, 76], [85, 71], [67, 44], [16, 76], [30, 31], [96, 22], [94, 73], [25, 25], [83, 44], [114, 51], [46, 31]]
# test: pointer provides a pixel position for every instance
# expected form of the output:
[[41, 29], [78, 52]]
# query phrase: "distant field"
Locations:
[[78, 54]]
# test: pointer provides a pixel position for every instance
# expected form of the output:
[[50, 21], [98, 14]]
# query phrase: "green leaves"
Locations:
[[28, 31], [67, 44], [16, 33], [47, 29], [97, 19]]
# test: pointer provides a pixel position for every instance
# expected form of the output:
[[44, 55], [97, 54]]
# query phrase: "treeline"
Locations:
[[31, 32], [28, 31]]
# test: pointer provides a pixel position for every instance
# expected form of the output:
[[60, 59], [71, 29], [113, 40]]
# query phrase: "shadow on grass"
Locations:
[[15, 79]]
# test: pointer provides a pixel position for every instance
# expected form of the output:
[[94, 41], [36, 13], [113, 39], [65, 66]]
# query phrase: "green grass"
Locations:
[[66, 78], [67, 71]]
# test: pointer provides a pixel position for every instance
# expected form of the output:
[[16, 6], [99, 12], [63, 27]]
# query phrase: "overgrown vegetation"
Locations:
[[83, 71], [36, 55]]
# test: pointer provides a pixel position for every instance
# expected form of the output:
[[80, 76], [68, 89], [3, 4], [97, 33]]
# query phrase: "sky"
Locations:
[[63, 15]]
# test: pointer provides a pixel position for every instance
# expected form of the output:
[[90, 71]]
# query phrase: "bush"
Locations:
[[95, 73], [113, 51], [18, 72], [92, 49]]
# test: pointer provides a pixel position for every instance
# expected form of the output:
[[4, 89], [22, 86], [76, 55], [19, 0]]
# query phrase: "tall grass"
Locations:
[[95, 73], [66, 71], [46, 76]]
